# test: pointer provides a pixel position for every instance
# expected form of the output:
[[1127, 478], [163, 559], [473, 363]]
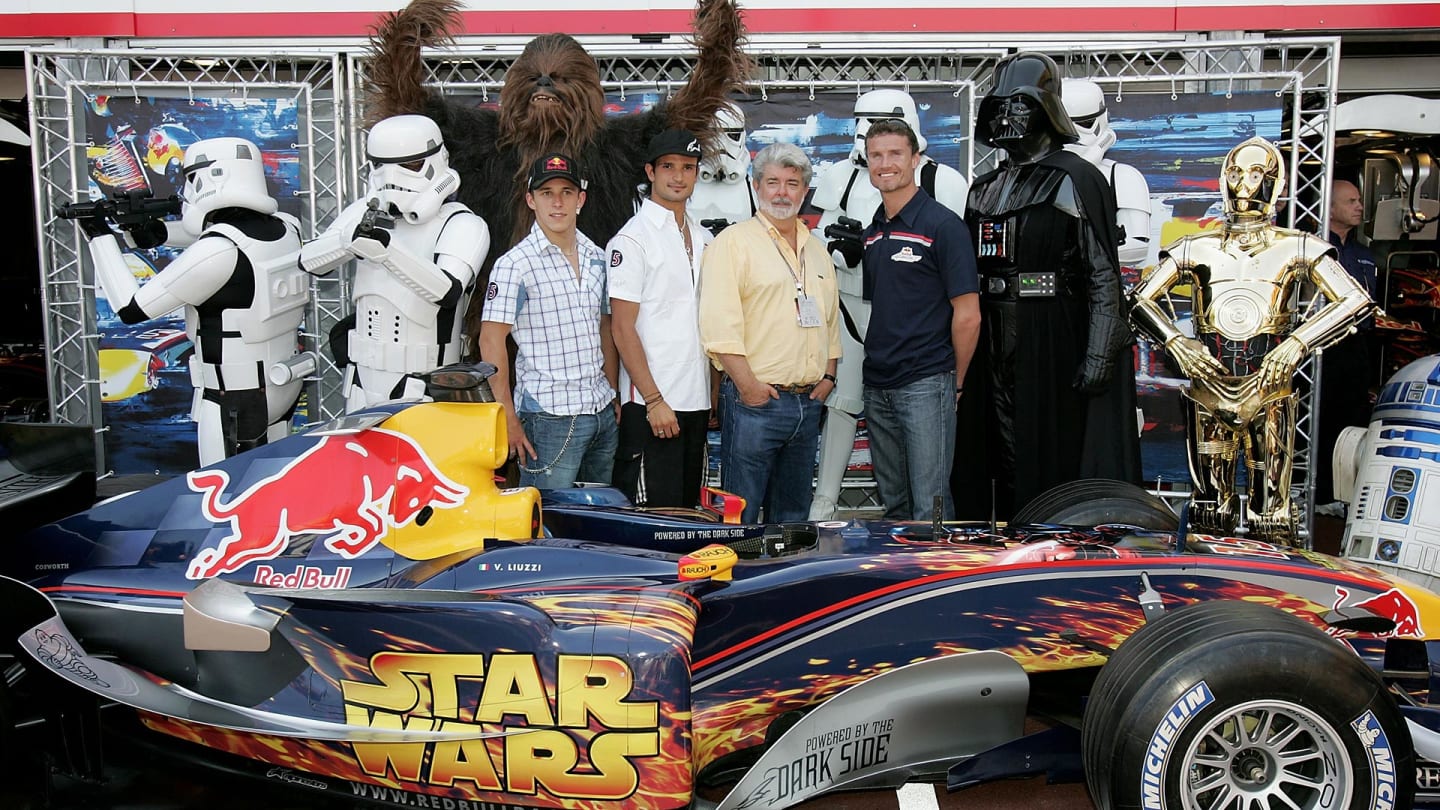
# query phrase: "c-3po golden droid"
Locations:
[[1257, 312]]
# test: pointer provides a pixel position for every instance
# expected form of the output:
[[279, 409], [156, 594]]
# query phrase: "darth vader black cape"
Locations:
[[1020, 408]]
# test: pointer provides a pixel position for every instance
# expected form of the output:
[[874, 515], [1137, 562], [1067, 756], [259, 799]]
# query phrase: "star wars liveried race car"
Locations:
[[359, 611]]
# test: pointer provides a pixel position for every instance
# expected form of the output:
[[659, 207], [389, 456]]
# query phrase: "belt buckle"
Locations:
[[1037, 285]]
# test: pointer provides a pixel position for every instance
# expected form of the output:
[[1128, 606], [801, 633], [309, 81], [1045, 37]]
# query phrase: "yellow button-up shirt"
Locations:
[[748, 302]]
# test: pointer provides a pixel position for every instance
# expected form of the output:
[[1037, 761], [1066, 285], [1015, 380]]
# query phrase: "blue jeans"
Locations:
[[767, 453], [569, 449], [912, 445]]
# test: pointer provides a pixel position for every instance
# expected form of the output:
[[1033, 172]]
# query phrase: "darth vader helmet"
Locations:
[[1023, 113]]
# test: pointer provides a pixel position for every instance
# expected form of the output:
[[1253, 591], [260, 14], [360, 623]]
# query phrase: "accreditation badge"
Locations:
[[807, 311]]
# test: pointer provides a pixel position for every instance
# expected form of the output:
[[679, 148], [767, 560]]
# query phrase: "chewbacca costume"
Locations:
[[551, 101]]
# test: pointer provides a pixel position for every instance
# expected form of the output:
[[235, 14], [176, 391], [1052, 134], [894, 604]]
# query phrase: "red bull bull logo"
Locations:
[[355, 487], [1394, 604]]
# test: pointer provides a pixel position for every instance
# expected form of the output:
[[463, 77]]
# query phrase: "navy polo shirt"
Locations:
[[914, 264], [1359, 262]]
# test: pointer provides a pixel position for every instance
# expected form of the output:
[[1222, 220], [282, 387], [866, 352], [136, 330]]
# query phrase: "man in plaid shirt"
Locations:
[[549, 292]]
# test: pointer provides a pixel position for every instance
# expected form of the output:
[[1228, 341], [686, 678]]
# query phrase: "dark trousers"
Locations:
[[652, 471], [1345, 381]]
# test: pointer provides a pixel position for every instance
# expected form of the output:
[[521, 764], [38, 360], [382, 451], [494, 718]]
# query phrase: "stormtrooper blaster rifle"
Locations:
[[715, 225], [136, 212], [375, 223], [846, 235]]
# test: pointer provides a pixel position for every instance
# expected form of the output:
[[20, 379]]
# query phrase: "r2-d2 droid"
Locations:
[[1390, 475]]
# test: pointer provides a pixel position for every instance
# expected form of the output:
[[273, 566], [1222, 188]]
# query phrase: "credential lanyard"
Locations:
[[800, 281], [807, 312]]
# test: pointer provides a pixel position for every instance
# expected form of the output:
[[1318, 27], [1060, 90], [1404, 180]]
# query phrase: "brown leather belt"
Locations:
[[796, 389]]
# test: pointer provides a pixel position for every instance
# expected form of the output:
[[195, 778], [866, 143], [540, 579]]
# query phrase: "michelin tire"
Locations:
[[1240, 705]]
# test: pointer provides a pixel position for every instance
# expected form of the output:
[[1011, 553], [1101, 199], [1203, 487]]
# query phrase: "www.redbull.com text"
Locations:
[[432, 691], [403, 798]]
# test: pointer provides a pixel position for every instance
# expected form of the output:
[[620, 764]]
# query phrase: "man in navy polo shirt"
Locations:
[[920, 280], [1347, 372]]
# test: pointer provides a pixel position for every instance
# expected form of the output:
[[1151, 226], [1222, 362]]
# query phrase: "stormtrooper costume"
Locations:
[[723, 194], [1085, 103], [843, 189], [417, 259], [243, 297]]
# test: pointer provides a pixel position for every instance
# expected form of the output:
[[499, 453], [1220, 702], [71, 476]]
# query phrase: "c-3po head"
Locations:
[[1251, 182]]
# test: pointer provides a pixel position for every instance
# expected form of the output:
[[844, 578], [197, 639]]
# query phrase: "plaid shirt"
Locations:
[[556, 324]]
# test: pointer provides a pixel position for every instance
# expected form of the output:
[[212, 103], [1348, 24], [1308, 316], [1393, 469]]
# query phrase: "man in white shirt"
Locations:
[[664, 375], [549, 290]]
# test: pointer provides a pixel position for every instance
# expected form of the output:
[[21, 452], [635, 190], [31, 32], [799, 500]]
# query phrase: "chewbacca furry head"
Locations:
[[552, 100]]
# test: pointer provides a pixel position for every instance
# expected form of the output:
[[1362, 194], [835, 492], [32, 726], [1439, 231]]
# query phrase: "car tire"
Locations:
[[1242, 700], [1093, 501]]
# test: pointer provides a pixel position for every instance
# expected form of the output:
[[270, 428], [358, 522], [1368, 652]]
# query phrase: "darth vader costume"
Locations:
[[1053, 398]]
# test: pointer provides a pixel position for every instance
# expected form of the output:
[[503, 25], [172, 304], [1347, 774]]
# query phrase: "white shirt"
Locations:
[[649, 266], [559, 368]]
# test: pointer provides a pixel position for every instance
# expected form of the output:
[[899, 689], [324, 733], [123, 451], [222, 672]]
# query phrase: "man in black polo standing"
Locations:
[[920, 280], [1347, 372]]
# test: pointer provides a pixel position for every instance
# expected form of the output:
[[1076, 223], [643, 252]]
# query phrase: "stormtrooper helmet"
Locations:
[[410, 170], [732, 162], [879, 105], [222, 173], [1085, 104]]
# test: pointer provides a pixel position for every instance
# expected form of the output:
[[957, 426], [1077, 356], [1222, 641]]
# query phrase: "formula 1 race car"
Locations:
[[359, 610]]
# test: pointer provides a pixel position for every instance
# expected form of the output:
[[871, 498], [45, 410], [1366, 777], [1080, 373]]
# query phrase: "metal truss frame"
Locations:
[[662, 67], [61, 79]]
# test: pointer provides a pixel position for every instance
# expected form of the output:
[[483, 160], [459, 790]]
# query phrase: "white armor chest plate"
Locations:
[[1246, 294], [729, 201], [388, 311], [281, 289]]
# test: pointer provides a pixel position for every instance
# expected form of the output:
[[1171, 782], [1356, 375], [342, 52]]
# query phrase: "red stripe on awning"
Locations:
[[1309, 18], [50, 26]]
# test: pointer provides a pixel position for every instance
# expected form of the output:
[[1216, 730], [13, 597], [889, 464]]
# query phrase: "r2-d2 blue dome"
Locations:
[[1391, 472]]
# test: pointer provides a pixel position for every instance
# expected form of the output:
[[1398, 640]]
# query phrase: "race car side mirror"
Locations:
[[711, 562]]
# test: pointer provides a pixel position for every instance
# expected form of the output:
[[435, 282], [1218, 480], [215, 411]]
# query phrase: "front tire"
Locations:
[[1239, 706], [1092, 501]]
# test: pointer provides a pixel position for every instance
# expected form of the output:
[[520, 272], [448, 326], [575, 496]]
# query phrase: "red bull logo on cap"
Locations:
[[353, 487], [557, 164]]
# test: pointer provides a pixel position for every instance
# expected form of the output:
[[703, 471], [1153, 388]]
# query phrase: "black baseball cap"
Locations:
[[555, 165], [674, 142]]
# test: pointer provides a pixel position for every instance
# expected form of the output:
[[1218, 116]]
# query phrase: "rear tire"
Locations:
[[1239, 705], [1093, 501]]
